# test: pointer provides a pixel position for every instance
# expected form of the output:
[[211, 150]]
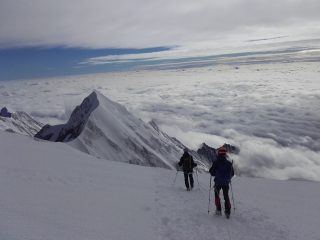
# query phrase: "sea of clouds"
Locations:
[[270, 111]]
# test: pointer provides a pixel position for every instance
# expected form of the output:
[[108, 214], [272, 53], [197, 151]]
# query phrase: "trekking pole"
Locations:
[[197, 178], [234, 206], [209, 195], [174, 182]]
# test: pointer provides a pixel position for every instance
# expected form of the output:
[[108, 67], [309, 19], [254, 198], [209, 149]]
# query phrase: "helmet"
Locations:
[[222, 151]]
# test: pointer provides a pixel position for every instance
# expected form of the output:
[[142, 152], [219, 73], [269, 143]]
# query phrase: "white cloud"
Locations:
[[257, 50], [264, 158], [145, 23]]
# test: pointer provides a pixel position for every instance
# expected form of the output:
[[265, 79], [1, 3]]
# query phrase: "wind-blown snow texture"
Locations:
[[52, 191]]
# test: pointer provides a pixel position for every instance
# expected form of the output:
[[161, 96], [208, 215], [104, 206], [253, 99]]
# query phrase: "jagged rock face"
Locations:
[[73, 128], [20, 122]]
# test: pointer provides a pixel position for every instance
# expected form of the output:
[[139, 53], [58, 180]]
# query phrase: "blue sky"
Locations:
[[29, 63], [26, 63]]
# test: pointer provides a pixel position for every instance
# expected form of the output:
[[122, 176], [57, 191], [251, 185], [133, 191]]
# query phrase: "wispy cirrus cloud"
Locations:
[[198, 55]]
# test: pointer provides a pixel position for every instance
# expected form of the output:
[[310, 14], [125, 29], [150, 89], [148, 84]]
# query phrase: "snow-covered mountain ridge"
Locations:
[[106, 129]]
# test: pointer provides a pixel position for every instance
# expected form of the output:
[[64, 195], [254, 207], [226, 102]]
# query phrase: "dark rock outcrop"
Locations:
[[5, 113]]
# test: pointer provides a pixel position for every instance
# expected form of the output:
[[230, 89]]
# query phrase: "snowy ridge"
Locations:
[[20, 122], [105, 129]]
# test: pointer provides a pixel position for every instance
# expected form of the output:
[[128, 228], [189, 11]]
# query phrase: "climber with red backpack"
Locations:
[[222, 171]]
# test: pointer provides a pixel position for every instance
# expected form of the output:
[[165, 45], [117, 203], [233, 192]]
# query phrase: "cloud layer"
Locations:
[[271, 111], [145, 23]]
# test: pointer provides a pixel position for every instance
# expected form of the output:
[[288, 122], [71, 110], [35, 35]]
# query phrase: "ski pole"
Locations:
[[174, 182], [234, 206], [209, 195], [197, 178]]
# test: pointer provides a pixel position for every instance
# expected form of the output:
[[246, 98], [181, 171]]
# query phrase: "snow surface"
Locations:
[[52, 191]]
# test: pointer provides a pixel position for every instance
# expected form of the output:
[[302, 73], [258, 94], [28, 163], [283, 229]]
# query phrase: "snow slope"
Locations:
[[52, 191]]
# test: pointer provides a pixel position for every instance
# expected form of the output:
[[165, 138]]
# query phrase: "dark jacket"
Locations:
[[187, 163], [222, 170]]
